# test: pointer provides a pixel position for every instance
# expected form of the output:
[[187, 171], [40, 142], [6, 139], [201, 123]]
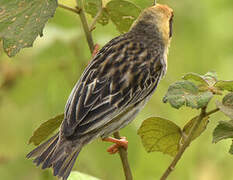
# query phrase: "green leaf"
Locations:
[[46, 129], [224, 130], [211, 78], [228, 100], [226, 110], [227, 105], [199, 130], [196, 77], [224, 85], [92, 7], [186, 93], [143, 4], [21, 21], [122, 13], [74, 175], [206, 82], [158, 134]]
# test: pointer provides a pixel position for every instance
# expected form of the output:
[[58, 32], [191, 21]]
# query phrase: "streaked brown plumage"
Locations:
[[112, 90]]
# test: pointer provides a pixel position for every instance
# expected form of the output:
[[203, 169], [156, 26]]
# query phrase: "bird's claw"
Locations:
[[122, 142]]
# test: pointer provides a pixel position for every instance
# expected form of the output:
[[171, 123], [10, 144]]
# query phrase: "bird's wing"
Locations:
[[120, 75]]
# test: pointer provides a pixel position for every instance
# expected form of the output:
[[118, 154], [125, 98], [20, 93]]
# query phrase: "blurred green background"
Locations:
[[35, 84]]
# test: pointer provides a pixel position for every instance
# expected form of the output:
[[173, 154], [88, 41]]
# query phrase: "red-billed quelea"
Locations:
[[114, 87]]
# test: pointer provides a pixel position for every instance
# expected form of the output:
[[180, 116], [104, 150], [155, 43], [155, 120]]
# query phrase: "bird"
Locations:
[[114, 87]]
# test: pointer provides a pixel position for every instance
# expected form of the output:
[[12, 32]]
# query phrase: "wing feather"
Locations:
[[115, 80]]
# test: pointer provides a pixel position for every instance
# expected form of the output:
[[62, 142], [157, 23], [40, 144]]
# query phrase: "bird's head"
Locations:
[[160, 18]]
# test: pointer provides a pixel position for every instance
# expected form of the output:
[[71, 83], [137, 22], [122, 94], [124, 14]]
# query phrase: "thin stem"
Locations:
[[122, 151], [155, 2], [124, 159], [212, 111], [85, 25], [186, 143], [77, 11], [92, 26]]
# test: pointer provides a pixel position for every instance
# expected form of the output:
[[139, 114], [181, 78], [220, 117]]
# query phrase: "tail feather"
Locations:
[[47, 161], [66, 171], [67, 163], [50, 147], [59, 155], [41, 148], [58, 164]]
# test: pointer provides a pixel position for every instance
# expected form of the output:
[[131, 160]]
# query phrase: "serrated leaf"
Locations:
[[75, 175], [211, 78], [224, 85], [212, 74], [226, 110], [227, 105], [186, 93], [21, 21], [196, 77], [206, 82], [92, 7], [228, 100], [123, 14], [200, 129], [224, 130], [46, 129], [158, 134]]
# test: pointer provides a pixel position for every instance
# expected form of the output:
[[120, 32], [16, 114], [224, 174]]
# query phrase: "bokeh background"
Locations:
[[35, 84]]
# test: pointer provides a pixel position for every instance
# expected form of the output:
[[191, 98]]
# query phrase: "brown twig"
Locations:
[[85, 25], [79, 10], [75, 10], [186, 143], [212, 111], [122, 151], [124, 159]]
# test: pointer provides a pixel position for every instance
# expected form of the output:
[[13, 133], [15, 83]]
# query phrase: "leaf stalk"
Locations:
[[92, 26]]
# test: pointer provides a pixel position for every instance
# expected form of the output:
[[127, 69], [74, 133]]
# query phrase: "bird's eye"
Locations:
[[170, 26]]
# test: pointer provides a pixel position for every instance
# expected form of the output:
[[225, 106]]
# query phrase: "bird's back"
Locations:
[[123, 73]]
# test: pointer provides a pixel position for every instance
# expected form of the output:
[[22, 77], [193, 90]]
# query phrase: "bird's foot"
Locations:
[[122, 142]]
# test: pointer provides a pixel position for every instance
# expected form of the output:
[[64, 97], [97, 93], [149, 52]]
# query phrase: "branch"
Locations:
[[85, 25], [187, 142], [212, 111], [77, 10], [122, 151], [124, 159]]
